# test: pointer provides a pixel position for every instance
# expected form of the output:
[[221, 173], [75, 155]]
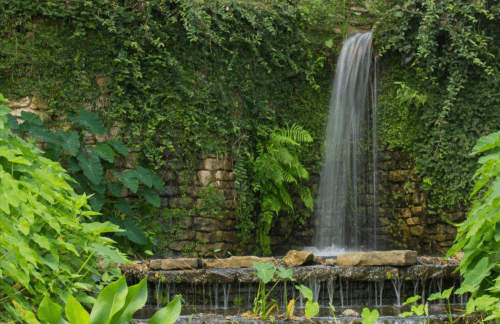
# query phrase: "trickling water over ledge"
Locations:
[[350, 286]]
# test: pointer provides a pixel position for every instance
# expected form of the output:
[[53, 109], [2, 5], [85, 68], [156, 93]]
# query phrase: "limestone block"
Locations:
[[186, 235], [226, 164], [417, 230], [413, 221], [385, 258], [181, 202], [297, 258], [170, 191], [193, 191], [405, 213], [204, 177], [234, 262], [225, 176], [209, 164], [208, 249], [417, 210], [174, 264], [178, 245]]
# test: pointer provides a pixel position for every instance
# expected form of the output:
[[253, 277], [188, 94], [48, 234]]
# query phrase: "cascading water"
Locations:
[[346, 209]]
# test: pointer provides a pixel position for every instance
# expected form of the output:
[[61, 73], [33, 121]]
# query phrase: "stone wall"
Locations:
[[405, 219]]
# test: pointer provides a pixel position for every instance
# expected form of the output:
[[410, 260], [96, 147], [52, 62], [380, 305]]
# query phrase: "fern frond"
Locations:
[[298, 134], [282, 139], [283, 156], [306, 196]]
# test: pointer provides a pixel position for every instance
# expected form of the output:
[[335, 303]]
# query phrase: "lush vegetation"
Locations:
[[442, 65], [46, 246], [214, 76]]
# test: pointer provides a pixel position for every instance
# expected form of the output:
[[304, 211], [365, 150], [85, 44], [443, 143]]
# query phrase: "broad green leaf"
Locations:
[[104, 151], [145, 176], [26, 315], [308, 294], [119, 147], [42, 241], [129, 180], [486, 143], [405, 314], [124, 207], [70, 142], [31, 118], [311, 309], [134, 231], [92, 167], [89, 120], [151, 196], [136, 298], [368, 317], [412, 300], [110, 300], [157, 183], [474, 276], [108, 253], [286, 273], [447, 293], [168, 314], [75, 312], [265, 271], [44, 134], [49, 311], [116, 188], [97, 201]]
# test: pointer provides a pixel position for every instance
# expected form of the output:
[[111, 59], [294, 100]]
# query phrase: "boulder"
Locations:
[[385, 258], [298, 258], [174, 264], [233, 262]]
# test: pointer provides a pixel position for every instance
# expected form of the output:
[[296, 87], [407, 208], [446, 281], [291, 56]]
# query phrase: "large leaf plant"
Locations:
[[479, 235], [94, 169], [46, 248]]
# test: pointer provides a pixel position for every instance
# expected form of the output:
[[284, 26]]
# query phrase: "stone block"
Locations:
[[205, 224], [234, 262], [298, 258], [225, 176], [405, 213], [204, 177], [417, 210], [385, 258], [226, 164], [193, 191], [175, 264], [413, 221], [231, 204], [170, 191], [210, 164], [417, 230]]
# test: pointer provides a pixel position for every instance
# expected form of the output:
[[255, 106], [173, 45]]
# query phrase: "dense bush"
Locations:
[[45, 247]]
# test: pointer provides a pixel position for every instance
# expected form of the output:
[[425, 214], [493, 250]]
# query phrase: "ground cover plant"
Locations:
[[46, 247]]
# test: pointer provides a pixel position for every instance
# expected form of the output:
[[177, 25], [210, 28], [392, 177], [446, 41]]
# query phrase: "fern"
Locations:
[[277, 168]]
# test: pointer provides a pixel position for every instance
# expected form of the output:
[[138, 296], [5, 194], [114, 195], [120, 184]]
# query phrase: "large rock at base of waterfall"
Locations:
[[234, 262], [174, 264], [385, 258], [297, 258]]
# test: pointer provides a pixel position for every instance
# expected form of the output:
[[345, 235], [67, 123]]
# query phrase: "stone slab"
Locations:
[[233, 262], [297, 258], [385, 258], [174, 264]]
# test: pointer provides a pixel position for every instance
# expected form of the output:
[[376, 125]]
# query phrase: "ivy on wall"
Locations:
[[178, 77], [445, 52]]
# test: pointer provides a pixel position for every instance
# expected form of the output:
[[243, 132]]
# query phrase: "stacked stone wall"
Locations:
[[405, 219]]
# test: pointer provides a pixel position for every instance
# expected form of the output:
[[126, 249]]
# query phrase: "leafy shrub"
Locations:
[[93, 167], [46, 249], [479, 235]]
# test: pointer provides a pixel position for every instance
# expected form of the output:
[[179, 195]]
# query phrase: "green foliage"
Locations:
[[369, 317], [267, 273], [46, 247], [91, 166], [312, 307], [275, 167], [211, 75], [478, 235], [116, 304], [444, 51]]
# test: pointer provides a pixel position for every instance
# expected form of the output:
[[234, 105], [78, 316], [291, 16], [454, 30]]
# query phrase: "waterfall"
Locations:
[[346, 212]]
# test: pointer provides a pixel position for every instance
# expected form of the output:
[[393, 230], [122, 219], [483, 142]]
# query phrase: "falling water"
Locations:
[[346, 210]]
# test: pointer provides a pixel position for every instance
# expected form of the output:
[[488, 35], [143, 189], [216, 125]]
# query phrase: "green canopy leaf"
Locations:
[[89, 120]]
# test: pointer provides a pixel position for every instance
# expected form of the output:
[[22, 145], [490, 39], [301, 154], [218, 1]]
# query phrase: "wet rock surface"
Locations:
[[234, 262], [383, 258]]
